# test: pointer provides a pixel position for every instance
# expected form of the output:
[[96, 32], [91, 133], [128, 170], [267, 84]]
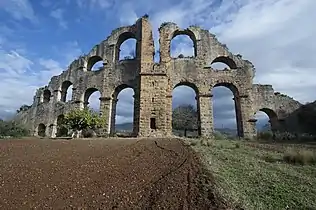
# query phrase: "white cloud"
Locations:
[[18, 79], [58, 14], [127, 15], [102, 4], [19, 9], [13, 64]]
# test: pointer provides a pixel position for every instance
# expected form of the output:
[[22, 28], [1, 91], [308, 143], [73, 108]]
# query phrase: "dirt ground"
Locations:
[[103, 174]]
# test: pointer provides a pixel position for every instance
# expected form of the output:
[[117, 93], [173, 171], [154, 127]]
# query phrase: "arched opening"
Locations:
[[223, 63], [185, 110], [66, 91], [95, 63], [183, 45], [41, 130], [61, 127], [122, 119], [226, 110], [267, 120], [92, 99], [46, 96], [126, 47]]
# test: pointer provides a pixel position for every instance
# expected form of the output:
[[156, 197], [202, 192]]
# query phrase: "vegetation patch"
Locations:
[[300, 156], [259, 178], [10, 129]]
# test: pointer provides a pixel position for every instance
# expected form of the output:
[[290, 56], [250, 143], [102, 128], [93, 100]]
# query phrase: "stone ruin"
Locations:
[[153, 84]]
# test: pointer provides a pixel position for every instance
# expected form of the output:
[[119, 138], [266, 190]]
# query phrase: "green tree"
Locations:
[[80, 119], [13, 129], [185, 118], [23, 108]]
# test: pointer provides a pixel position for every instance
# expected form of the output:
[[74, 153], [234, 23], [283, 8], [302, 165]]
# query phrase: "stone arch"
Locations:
[[195, 129], [230, 85], [87, 95], [227, 61], [41, 130], [273, 117], [188, 33], [94, 60], [122, 38], [115, 100], [188, 84], [64, 90], [61, 128], [237, 106], [46, 96]]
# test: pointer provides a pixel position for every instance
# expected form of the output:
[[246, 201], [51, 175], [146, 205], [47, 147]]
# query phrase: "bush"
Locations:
[[12, 129], [265, 135], [88, 133], [269, 158], [301, 156], [206, 142], [219, 135]]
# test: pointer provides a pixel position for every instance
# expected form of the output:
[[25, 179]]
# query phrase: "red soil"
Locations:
[[105, 174]]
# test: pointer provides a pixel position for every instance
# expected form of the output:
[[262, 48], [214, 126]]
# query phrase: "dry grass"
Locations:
[[260, 176], [300, 156]]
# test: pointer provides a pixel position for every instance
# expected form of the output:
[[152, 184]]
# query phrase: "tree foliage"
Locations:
[[79, 119], [24, 107], [12, 129], [184, 117]]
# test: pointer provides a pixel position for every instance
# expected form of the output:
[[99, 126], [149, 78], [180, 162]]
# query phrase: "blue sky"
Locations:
[[39, 39]]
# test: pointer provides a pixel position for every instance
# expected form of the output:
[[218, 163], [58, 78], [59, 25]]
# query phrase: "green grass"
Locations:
[[256, 176]]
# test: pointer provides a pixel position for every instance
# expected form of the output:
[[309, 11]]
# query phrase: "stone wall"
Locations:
[[153, 83]]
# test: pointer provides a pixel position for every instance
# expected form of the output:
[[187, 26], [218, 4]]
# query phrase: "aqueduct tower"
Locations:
[[153, 84]]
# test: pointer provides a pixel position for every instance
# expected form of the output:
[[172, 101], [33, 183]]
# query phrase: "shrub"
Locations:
[[193, 143], [203, 142], [206, 142], [301, 156], [12, 129], [210, 143], [219, 136], [88, 133], [265, 135], [269, 158]]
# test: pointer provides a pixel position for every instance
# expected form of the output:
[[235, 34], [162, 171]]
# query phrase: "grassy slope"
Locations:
[[244, 175]]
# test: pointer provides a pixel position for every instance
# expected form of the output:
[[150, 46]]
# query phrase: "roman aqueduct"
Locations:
[[153, 84]]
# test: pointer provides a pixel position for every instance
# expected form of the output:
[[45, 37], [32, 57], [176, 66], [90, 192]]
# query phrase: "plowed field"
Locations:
[[104, 174]]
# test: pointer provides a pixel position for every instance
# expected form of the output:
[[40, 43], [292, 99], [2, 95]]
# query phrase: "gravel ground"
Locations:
[[103, 174]]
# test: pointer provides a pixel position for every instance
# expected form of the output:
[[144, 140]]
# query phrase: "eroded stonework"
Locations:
[[153, 84]]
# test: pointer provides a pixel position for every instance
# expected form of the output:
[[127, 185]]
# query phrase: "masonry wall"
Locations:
[[153, 83]]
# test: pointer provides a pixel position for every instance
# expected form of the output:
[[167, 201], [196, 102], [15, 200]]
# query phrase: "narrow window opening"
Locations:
[[153, 83], [152, 99], [153, 123]]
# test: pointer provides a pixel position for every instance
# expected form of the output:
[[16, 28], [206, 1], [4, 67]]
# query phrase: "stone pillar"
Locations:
[[281, 125], [79, 104], [236, 100], [52, 130], [57, 95], [169, 115], [86, 103], [105, 112], [247, 117], [206, 114], [136, 114], [112, 115]]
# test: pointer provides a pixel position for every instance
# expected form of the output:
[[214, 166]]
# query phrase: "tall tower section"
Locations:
[[153, 84]]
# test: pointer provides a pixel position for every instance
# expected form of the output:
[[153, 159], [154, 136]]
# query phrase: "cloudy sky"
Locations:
[[39, 39]]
